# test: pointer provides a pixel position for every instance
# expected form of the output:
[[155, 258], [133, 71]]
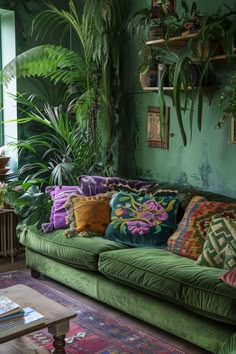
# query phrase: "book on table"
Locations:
[[30, 318], [8, 306]]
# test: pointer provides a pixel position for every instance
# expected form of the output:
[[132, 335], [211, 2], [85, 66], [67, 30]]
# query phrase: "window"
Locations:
[[8, 131]]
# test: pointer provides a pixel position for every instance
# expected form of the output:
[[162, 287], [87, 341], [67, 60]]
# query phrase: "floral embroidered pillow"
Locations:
[[142, 221]]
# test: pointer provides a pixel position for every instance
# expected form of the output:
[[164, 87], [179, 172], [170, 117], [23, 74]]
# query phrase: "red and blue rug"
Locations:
[[92, 331]]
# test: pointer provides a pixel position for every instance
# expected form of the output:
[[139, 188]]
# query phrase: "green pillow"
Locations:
[[142, 220], [219, 249]]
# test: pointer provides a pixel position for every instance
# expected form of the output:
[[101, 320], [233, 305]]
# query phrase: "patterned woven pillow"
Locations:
[[219, 249], [88, 215], [142, 220], [229, 277], [190, 236]]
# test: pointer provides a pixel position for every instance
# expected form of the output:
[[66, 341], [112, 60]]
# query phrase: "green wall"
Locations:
[[207, 162]]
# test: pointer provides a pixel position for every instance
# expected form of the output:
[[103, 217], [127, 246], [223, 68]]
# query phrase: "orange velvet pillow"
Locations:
[[88, 216]]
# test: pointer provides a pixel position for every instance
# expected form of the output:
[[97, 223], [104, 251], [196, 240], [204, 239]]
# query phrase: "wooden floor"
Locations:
[[24, 346]]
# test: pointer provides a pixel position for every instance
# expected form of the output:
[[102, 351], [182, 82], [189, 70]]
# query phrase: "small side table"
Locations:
[[8, 222]]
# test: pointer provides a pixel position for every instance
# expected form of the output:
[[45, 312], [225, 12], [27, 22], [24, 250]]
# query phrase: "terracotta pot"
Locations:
[[3, 171], [3, 161]]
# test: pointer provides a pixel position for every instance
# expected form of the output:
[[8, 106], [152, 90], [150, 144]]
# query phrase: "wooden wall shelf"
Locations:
[[176, 42]]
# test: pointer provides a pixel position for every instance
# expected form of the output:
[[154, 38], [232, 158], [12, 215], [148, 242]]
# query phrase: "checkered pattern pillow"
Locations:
[[219, 250]]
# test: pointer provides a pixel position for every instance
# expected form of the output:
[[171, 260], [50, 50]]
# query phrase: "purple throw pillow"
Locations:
[[92, 185], [58, 212]]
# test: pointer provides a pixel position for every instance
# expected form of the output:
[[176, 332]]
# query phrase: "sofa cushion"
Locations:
[[142, 220], [91, 185], [79, 252], [88, 216], [189, 238], [173, 278], [219, 249], [59, 195]]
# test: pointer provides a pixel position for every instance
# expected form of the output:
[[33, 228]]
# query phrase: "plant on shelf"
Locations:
[[217, 33], [228, 100], [190, 69], [160, 22]]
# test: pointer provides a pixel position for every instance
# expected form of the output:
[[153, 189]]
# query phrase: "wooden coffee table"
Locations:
[[57, 317]]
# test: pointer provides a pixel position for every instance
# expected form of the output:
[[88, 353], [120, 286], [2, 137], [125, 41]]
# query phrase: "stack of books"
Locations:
[[13, 315]]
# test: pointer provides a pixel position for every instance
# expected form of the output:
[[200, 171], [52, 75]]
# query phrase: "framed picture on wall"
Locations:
[[155, 137], [157, 9], [233, 131]]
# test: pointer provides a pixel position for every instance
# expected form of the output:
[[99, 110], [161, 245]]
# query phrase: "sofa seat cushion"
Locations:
[[79, 252], [174, 278]]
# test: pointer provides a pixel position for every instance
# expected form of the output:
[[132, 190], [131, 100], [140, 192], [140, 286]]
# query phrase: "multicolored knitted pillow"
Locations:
[[190, 236], [88, 215], [142, 221], [219, 249]]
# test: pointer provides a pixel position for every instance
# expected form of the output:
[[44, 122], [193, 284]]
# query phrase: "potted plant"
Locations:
[[228, 100], [4, 159], [86, 73]]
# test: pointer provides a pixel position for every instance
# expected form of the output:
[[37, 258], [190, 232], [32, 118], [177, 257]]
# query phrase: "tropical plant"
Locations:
[[87, 74], [33, 207], [61, 150], [28, 200]]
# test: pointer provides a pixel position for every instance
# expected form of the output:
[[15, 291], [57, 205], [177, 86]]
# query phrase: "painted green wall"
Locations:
[[207, 162]]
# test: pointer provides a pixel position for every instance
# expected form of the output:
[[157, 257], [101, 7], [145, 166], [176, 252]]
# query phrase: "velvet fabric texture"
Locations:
[[208, 334], [173, 278], [91, 185], [59, 195], [142, 221], [78, 252], [219, 249], [229, 277], [191, 233], [88, 216]]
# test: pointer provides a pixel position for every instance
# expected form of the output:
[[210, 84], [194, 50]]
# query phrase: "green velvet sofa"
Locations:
[[164, 289], [154, 285]]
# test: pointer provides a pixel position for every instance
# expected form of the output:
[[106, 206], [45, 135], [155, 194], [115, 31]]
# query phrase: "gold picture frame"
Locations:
[[156, 136], [232, 131]]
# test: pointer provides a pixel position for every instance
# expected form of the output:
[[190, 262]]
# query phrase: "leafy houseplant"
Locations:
[[87, 75], [62, 150], [228, 100], [29, 202], [192, 60]]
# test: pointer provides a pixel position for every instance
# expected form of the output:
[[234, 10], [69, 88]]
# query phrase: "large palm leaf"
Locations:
[[55, 62]]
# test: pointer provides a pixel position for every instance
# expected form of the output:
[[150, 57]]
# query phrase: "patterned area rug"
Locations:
[[92, 331]]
